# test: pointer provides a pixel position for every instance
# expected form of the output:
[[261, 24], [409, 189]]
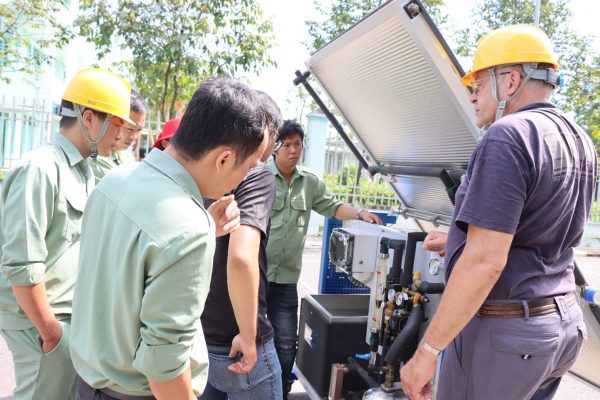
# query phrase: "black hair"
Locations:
[[222, 112], [138, 103], [272, 112], [68, 122], [290, 128]]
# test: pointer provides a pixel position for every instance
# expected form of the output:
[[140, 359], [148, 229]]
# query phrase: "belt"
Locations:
[[517, 310]]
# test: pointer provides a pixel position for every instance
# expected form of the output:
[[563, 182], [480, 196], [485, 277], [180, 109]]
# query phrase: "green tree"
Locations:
[[579, 64], [24, 37], [339, 15], [175, 44]]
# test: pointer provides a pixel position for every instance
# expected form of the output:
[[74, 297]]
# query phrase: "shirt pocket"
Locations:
[[301, 210], [277, 214], [75, 202]]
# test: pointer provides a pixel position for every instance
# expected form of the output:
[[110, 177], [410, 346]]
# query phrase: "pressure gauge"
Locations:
[[391, 295], [434, 266], [401, 298]]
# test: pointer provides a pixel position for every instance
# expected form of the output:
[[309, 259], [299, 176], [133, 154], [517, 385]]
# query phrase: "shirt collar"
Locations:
[[168, 166], [73, 155], [533, 106], [273, 167]]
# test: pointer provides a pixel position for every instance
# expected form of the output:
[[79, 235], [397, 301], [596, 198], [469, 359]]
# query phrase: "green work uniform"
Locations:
[[144, 275], [289, 220], [41, 207], [102, 165]]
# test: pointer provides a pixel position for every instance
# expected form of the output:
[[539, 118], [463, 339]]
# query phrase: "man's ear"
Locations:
[[223, 158], [87, 118], [515, 81]]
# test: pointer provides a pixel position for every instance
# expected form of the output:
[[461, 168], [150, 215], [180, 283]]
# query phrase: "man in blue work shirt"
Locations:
[[509, 318]]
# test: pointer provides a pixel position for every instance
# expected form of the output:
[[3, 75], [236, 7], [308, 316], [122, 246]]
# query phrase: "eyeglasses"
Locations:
[[476, 84]]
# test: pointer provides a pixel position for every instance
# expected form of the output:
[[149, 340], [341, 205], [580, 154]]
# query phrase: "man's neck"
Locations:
[[286, 172], [76, 137]]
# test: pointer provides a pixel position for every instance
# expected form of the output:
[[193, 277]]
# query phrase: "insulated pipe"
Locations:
[[353, 365], [396, 270], [409, 260], [431, 288], [408, 333]]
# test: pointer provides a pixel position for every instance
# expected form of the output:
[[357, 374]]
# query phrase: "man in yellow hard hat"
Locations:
[[41, 206], [129, 134], [509, 319]]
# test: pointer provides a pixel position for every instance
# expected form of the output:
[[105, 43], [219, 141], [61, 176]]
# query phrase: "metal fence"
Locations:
[[24, 125], [29, 123], [343, 176]]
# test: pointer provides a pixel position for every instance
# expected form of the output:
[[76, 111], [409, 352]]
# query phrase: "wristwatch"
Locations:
[[358, 213], [427, 347]]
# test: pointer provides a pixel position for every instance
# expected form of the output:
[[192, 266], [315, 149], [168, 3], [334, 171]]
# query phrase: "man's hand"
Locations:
[[51, 335], [435, 241], [226, 215], [417, 374], [369, 217], [248, 350]]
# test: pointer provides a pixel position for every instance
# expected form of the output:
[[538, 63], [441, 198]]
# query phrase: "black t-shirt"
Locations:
[[254, 197]]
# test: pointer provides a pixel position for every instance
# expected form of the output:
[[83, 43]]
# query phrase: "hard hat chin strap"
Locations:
[[79, 111], [494, 83]]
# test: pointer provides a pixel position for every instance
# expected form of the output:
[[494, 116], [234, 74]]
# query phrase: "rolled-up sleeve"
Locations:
[[176, 289], [28, 203], [324, 202]]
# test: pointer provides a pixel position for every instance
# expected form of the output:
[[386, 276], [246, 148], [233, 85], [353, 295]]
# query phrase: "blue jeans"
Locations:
[[283, 313], [263, 382]]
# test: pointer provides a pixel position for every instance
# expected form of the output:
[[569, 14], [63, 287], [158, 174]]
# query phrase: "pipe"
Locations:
[[353, 365], [396, 270], [411, 170], [409, 261], [431, 288], [409, 332]]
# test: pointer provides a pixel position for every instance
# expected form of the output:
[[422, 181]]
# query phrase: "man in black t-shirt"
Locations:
[[242, 357]]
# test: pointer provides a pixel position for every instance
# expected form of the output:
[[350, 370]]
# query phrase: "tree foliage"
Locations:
[[176, 44], [579, 65], [339, 15], [28, 29]]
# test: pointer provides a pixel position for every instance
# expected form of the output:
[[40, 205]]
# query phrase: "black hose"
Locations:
[[409, 261], [353, 365], [396, 270], [579, 278], [406, 335], [431, 288]]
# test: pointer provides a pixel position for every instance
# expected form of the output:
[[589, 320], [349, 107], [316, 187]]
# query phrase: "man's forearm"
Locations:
[[242, 283], [34, 302], [176, 388], [473, 277], [466, 290], [345, 212]]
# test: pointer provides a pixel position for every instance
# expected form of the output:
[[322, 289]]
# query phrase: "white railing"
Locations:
[[343, 177]]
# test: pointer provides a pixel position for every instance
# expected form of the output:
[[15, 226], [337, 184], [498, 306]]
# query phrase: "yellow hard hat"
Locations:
[[100, 90], [516, 44]]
